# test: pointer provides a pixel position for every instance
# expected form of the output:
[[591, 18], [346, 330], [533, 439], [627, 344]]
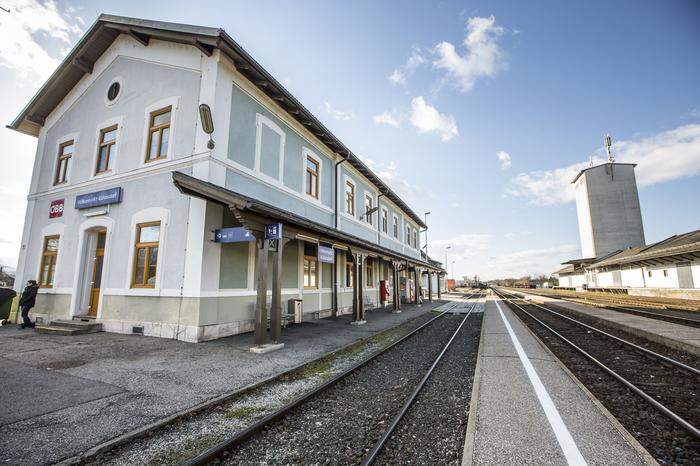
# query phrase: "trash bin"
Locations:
[[6, 297]]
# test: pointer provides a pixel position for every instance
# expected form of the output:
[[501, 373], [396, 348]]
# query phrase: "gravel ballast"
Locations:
[[191, 435], [342, 423], [434, 428]]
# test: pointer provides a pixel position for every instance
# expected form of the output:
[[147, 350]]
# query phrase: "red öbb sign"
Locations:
[[56, 209]]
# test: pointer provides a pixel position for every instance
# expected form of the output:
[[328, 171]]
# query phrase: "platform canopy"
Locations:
[[254, 215]]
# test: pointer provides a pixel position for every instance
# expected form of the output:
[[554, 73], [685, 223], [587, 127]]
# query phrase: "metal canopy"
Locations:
[[253, 213], [108, 27]]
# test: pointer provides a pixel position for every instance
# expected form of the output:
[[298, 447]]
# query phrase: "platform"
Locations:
[[529, 410], [60, 396], [675, 336]]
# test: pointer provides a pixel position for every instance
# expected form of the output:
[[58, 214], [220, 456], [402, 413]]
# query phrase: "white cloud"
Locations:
[[386, 118], [483, 254], [22, 29], [504, 158], [427, 119], [665, 156], [339, 114], [400, 75], [389, 173], [460, 247], [527, 262], [483, 55]]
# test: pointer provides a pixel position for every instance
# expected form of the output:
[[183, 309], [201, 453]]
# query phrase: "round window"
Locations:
[[113, 91]]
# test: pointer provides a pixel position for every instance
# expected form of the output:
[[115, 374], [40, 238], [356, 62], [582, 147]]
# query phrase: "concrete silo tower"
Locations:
[[607, 203]]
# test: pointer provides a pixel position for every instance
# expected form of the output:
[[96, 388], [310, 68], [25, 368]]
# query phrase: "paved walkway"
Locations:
[[529, 410], [60, 396], [672, 335]]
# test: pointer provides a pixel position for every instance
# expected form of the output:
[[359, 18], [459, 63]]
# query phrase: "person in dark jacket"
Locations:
[[27, 301]]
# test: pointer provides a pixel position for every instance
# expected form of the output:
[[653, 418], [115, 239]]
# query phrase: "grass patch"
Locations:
[[320, 368], [242, 412]]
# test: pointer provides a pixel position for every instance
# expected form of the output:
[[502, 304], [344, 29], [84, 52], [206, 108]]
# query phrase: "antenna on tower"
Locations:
[[590, 160], [607, 141]]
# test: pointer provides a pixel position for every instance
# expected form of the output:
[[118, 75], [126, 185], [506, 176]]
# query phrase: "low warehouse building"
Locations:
[[670, 267]]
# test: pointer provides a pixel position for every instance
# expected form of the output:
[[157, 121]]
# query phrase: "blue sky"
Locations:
[[430, 95]]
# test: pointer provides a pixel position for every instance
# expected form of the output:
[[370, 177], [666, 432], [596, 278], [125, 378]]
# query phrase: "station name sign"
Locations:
[[98, 198], [232, 235], [325, 254]]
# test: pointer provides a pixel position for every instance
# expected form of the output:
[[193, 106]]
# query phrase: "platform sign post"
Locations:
[[232, 235], [273, 231], [325, 254]]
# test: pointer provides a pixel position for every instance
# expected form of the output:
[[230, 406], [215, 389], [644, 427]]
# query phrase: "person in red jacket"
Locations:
[[27, 301]]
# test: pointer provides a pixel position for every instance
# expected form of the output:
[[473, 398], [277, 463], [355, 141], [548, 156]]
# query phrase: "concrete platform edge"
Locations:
[[145, 430], [470, 437], [638, 448], [653, 337]]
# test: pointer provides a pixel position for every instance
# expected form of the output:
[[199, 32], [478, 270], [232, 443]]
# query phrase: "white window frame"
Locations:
[[308, 153], [106, 124], [385, 214], [398, 227], [261, 120], [174, 104], [52, 229], [151, 214], [119, 80], [369, 219], [347, 180], [54, 160]]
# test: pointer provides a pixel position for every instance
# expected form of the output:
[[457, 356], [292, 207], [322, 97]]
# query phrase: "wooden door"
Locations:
[[98, 262]]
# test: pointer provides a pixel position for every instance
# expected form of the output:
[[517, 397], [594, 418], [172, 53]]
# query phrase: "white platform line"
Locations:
[[566, 441]]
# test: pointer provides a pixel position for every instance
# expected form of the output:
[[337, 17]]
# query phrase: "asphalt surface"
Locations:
[[152, 378]]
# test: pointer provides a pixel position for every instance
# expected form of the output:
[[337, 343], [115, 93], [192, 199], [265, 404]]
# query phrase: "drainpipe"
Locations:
[[379, 220], [334, 277]]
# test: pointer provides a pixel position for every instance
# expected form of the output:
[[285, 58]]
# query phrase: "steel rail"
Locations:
[[218, 449], [613, 307], [620, 308], [694, 431], [379, 446], [654, 354]]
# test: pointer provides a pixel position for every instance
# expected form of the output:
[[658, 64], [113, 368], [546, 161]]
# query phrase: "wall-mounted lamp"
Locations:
[[369, 212], [207, 123]]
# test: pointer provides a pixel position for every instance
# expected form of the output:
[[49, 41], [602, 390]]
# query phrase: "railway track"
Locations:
[[353, 399], [654, 311], [654, 395]]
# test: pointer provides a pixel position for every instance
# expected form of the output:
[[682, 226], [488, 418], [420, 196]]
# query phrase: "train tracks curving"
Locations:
[[653, 393], [355, 416]]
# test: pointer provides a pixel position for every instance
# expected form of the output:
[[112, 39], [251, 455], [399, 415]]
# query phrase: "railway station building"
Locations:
[[180, 191]]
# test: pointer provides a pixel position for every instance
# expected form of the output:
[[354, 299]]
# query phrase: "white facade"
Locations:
[[200, 289], [607, 204]]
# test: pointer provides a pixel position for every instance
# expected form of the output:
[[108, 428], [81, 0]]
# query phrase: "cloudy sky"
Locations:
[[479, 112]]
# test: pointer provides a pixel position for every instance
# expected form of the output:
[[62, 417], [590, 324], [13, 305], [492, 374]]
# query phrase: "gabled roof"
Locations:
[[107, 28], [569, 269], [600, 165], [685, 246]]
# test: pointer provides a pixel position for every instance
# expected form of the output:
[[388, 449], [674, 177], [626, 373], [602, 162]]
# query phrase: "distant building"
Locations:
[[614, 253], [607, 203]]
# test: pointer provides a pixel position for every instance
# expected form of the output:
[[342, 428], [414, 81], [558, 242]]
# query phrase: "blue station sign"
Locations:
[[232, 235], [325, 254], [273, 231], [98, 198]]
